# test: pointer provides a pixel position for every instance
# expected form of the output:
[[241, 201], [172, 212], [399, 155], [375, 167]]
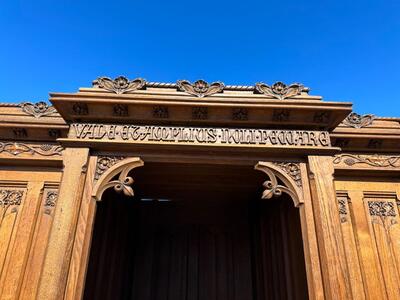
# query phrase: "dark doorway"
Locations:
[[196, 232]]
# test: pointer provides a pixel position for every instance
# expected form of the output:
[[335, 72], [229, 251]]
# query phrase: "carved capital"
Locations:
[[119, 85], [37, 110], [358, 121], [279, 90], [200, 88], [274, 188], [117, 177]]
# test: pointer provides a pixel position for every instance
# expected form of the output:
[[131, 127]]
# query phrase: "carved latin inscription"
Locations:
[[198, 135]]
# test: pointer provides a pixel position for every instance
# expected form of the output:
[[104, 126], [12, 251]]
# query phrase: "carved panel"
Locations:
[[292, 169], [10, 199], [279, 90], [358, 121], [375, 160], [200, 88], [104, 163], [50, 201], [342, 199], [15, 148], [54, 133], [381, 209], [37, 110], [119, 85]]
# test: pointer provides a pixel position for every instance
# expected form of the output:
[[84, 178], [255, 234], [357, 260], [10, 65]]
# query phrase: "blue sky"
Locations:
[[342, 50]]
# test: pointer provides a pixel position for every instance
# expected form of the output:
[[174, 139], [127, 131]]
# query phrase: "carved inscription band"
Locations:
[[197, 135]]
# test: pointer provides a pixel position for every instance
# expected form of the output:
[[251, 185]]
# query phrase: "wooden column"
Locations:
[[330, 241], [58, 255]]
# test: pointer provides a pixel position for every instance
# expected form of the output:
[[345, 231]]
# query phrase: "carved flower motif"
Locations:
[[37, 110], [279, 88], [200, 86], [358, 121], [122, 82]]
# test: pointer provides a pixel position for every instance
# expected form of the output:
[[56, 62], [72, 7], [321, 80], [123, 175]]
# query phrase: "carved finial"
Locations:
[[358, 121], [280, 90], [38, 109], [119, 85], [200, 88]]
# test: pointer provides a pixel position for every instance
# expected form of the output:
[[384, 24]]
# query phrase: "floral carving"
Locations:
[[292, 169], [15, 148], [50, 201], [104, 163], [9, 198], [119, 85], [279, 90], [381, 209], [200, 88], [342, 202], [375, 160], [358, 121], [37, 110]]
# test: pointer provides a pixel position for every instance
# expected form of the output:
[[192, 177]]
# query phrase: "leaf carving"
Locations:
[[200, 88], [37, 110], [358, 121], [280, 90], [119, 85]]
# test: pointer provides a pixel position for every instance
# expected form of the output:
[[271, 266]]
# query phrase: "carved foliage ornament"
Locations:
[[119, 85], [9, 199], [358, 121], [200, 88], [375, 160], [50, 201], [279, 90], [292, 169], [19, 148], [37, 110], [104, 163]]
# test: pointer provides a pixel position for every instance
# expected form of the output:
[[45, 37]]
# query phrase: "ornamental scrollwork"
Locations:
[[375, 160], [279, 90], [15, 149], [292, 169], [119, 85], [200, 88], [37, 110], [104, 163], [358, 121]]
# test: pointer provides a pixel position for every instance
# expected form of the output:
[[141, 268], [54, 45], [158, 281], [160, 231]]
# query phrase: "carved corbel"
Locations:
[[117, 178], [272, 186]]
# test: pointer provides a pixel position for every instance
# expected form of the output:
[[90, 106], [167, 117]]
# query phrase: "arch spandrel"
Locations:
[[123, 184], [272, 186]]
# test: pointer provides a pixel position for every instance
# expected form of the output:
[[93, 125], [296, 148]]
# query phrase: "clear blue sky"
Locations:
[[342, 50]]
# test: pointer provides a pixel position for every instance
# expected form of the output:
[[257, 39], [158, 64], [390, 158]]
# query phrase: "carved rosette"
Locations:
[[274, 187], [358, 121], [104, 163], [119, 85], [50, 201], [10, 199], [292, 169], [200, 88], [279, 90], [375, 160], [15, 148], [37, 110], [116, 177]]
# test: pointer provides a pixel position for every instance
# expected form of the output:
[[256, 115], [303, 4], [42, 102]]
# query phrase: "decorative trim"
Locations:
[[119, 85], [50, 201], [292, 169], [104, 163], [38, 109], [200, 113], [200, 88], [273, 188], [279, 90], [117, 177], [358, 121], [15, 149], [375, 160]]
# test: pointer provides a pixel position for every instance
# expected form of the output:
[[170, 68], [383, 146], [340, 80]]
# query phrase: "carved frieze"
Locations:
[[279, 90], [375, 160], [119, 85], [104, 163], [358, 121], [200, 88], [16, 148], [37, 110], [292, 169]]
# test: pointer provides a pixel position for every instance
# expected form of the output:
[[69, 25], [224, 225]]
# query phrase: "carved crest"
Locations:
[[279, 90], [358, 121], [19, 148], [200, 88], [37, 110], [119, 85]]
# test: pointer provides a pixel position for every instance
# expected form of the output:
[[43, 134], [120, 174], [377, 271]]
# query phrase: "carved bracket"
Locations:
[[117, 178], [272, 186]]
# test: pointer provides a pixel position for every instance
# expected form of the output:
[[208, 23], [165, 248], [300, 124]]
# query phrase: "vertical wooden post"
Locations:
[[58, 255], [330, 241]]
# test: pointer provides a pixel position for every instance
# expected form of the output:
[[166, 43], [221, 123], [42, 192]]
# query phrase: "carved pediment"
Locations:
[[358, 121], [119, 85], [200, 88], [37, 110], [279, 90]]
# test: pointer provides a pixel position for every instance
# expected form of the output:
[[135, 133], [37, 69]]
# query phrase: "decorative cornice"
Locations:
[[200, 88], [375, 160], [292, 169], [119, 85], [104, 163], [38, 109], [15, 149], [358, 121], [279, 90]]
